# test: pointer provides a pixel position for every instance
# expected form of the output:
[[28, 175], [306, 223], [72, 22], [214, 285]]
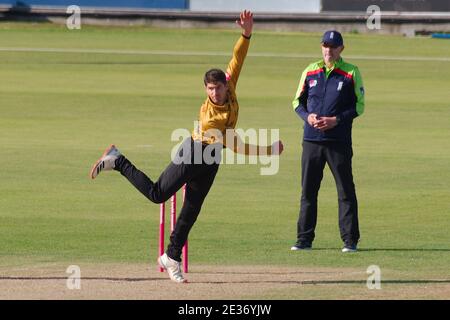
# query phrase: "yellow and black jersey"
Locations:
[[214, 117]]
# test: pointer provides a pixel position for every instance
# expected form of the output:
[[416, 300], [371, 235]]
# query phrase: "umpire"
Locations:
[[330, 95]]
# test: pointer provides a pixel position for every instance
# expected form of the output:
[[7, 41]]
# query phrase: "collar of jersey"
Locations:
[[337, 64], [216, 106]]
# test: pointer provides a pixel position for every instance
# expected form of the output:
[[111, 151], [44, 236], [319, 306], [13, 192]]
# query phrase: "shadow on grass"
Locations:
[[404, 249], [274, 281], [328, 282], [388, 249], [125, 279], [418, 281]]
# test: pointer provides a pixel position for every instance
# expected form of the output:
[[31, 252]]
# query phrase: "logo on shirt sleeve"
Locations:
[[361, 89], [340, 85], [312, 83]]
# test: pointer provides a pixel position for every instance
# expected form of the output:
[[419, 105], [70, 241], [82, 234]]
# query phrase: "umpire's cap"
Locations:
[[333, 38]]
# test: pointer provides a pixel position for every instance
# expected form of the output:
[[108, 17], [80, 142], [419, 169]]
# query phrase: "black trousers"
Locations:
[[185, 169], [338, 156]]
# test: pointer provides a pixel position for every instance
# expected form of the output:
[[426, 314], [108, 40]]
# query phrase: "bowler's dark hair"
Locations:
[[215, 76]]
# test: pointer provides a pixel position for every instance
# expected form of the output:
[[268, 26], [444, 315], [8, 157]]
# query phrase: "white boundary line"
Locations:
[[213, 53]]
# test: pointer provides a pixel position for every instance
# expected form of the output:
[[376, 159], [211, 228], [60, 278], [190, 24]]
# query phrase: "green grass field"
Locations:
[[59, 110]]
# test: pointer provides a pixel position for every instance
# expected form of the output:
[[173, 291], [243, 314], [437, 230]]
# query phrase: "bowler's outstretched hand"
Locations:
[[277, 148], [246, 22]]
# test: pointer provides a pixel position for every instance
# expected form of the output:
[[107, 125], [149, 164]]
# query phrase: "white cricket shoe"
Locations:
[[106, 162], [172, 267], [350, 248], [302, 246]]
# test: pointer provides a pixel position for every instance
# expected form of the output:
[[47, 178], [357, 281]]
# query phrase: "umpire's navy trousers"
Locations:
[[338, 156]]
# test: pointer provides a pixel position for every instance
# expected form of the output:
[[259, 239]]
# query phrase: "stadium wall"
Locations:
[[144, 4], [268, 6], [392, 22], [388, 5]]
